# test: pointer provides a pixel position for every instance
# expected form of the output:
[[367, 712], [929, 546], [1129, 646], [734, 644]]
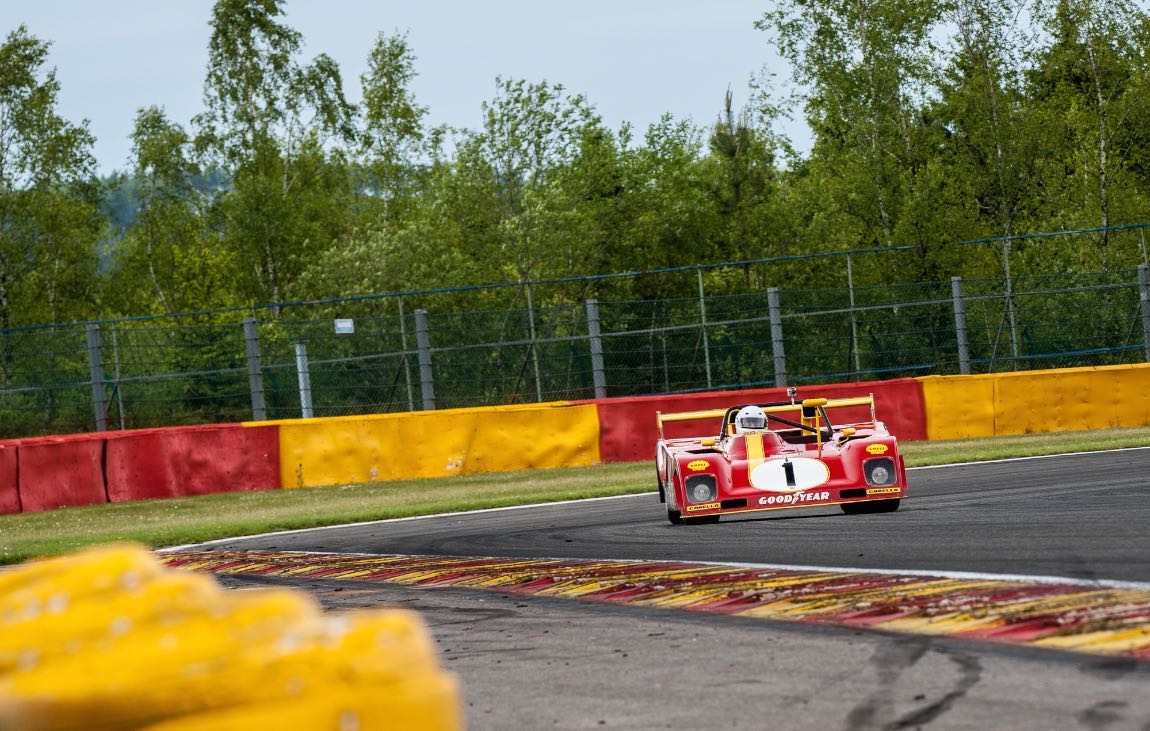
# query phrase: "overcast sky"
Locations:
[[634, 59]]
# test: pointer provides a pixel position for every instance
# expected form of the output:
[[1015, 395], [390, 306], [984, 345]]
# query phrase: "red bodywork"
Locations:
[[811, 463]]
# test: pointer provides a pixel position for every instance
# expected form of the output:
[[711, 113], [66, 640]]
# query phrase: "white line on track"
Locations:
[[609, 497], [925, 573]]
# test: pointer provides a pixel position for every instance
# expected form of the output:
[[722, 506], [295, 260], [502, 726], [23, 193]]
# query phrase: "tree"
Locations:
[[984, 108], [866, 67], [744, 156], [171, 247], [392, 134], [48, 194], [273, 123], [1085, 84]]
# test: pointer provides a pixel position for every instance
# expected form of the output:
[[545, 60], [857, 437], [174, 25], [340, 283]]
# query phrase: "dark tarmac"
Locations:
[[548, 663]]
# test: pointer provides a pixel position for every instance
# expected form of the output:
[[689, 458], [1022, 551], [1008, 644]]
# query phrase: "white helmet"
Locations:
[[750, 419]]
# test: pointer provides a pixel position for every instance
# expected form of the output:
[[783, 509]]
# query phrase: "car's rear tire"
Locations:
[[871, 506]]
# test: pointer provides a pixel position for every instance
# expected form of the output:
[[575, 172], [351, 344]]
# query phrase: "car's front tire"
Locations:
[[674, 517], [871, 506]]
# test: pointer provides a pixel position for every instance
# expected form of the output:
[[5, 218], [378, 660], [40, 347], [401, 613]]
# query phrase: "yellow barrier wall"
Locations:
[[958, 406], [353, 449], [1065, 399]]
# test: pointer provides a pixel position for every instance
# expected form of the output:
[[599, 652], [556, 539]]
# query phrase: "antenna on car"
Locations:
[[792, 392]]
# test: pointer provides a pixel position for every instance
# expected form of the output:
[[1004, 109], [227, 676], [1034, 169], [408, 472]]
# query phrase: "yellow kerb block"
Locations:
[[83, 648], [429, 704]]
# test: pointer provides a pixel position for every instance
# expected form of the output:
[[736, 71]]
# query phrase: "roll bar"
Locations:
[[771, 408]]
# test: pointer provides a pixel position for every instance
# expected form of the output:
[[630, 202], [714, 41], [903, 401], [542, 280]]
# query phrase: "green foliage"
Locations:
[[933, 121], [269, 119], [48, 197]]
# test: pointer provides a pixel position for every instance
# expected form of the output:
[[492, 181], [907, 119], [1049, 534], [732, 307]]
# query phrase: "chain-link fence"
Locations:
[[377, 355]]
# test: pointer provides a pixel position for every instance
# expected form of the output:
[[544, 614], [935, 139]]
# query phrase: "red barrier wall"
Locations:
[[627, 425], [56, 472], [9, 476], [180, 461]]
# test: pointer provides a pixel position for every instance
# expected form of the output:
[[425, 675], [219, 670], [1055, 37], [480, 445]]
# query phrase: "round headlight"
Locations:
[[700, 492], [879, 475]]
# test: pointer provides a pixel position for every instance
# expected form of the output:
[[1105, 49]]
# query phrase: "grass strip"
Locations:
[[189, 520]]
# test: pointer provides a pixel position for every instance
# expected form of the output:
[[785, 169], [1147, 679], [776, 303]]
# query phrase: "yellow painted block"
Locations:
[[108, 638], [40, 585], [1073, 399], [377, 448], [71, 625], [429, 704], [958, 407], [1064, 399], [193, 667]]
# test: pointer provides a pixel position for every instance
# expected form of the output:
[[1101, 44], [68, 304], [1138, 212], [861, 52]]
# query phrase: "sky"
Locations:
[[634, 59]]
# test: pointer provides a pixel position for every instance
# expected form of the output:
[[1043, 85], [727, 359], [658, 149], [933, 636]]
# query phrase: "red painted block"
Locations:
[[627, 425], [9, 478], [181, 461], [57, 472]]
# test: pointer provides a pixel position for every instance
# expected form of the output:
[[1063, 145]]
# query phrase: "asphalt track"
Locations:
[[1083, 516], [557, 663]]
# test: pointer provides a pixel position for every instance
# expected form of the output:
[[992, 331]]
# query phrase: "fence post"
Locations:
[[96, 366], [854, 318], [423, 342], [119, 387], [777, 336], [960, 326], [1144, 295], [703, 327], [255, 371], [534, 347], [403, 342], [301, 368], [598, 377]]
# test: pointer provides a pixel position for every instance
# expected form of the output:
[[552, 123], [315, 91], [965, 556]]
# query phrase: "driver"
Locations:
[[750, 420]]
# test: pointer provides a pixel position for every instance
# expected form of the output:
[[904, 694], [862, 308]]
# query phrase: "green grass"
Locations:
[[921, 454], [188, 520]]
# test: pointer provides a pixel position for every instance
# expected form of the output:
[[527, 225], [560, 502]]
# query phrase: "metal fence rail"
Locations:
[[382, 357]]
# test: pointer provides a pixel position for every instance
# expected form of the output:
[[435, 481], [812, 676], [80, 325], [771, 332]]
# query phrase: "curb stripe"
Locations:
[[1066, 616]]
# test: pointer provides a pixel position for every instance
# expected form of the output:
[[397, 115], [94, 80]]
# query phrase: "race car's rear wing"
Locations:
[[810, 403]]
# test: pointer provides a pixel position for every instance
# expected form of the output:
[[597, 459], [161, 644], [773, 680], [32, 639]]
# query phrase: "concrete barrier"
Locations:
[[57, 472], [1066, 399], [180, 461], [9, 479], [355, 449]]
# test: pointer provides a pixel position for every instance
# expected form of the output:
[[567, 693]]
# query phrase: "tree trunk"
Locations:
[[1103, 152], [875, 152], [5, 319]]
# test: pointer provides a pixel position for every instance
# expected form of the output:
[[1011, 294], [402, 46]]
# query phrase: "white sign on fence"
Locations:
[[345, 326]]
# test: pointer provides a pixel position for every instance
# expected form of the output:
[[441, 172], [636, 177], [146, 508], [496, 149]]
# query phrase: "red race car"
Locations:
[[779, 455]]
